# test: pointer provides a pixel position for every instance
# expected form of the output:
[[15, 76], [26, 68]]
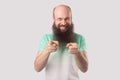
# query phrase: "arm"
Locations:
[[80, 56], [42, 57], [81, 60], [41, 60]]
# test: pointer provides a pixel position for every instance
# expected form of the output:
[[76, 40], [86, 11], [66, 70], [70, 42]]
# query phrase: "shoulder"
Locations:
[[48, 36], [79, 36]]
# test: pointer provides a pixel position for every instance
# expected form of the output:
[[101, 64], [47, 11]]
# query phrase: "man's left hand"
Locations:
[[72, 48]]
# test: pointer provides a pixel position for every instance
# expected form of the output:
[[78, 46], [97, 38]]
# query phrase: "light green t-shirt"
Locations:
[[61, 65]]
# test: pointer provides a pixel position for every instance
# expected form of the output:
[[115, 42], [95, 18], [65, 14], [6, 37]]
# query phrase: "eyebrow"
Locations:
[[63, 18]]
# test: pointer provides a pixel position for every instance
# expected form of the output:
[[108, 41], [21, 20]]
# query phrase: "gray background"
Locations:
[[23, 22]]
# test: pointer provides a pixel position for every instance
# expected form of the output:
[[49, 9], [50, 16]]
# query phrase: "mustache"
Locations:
[[62, 26], [56, 29]]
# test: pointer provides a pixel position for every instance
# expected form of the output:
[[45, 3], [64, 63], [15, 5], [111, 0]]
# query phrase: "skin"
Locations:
[[61, 16]]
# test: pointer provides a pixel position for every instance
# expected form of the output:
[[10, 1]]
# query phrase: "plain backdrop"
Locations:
[[23, 22]]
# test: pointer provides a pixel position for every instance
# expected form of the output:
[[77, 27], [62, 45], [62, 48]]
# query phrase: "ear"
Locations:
[[53, 19]]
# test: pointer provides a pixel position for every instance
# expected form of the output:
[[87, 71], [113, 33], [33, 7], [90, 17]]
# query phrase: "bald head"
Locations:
[[62, 8]]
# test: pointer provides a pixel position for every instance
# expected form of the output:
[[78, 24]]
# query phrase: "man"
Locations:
[[62, 53]]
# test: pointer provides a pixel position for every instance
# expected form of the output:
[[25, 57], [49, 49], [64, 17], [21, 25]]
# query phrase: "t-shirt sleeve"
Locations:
[[43, 43], [83, 44]]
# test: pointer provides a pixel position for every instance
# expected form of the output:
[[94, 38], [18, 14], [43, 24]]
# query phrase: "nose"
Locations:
[[64, 22]]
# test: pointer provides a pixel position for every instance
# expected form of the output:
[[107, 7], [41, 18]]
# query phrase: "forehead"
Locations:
[[62, 12]]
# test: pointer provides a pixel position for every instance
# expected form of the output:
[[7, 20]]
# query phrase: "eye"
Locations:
[[59, 19], [67, 18]]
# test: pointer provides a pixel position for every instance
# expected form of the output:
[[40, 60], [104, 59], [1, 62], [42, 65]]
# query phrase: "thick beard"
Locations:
[[64, 37]]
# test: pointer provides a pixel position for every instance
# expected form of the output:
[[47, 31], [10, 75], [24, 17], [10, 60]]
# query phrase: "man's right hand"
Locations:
[[52, 46]]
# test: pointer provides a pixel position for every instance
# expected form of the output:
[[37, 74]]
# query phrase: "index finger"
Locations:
[[69, 44], [54, 43]]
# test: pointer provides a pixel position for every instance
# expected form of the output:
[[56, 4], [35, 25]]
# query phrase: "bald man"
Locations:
[[63, 52]]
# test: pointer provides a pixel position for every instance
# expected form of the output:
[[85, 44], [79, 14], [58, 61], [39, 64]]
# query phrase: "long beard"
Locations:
[[64, 37]]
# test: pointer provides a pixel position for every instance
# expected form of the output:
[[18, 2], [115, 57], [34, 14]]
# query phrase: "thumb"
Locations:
[[56, 43]]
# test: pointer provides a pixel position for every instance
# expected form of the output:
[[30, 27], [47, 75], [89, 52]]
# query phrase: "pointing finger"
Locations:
[[69, 44], [54, 43]]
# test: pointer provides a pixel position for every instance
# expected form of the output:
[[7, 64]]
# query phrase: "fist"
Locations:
[[72, 48], [52, 46]]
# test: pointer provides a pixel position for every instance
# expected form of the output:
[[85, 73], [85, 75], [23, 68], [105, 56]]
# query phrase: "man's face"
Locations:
[[62, 18]]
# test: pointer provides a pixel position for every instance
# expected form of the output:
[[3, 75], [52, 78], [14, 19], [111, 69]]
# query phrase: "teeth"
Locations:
[[62, 28]]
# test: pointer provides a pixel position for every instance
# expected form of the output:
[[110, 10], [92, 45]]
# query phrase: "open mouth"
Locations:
[[63, 28]]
